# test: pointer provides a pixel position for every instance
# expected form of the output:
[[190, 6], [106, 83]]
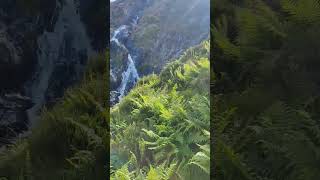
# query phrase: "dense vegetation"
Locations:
[[264, 109], [265, 89], [71, 140], [160, 130]]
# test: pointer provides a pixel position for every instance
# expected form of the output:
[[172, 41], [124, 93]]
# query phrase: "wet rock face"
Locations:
[[30, 44], [13, 117], [14, 70], [10, 62], [19, 29], [119, 64], [21, 24]]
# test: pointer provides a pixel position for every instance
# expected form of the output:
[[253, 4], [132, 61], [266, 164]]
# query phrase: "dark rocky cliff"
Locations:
[[44, 47], [20, 25]]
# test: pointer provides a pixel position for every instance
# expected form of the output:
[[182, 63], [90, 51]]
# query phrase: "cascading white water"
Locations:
[[116, 33], [135, 21], [131, 74], [112, 75], [53, 50]]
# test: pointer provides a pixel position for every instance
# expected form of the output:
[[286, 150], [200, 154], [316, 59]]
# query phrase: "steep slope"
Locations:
[[72, 138], [160, 130], [71, 141], [151, 36], [167, 28]]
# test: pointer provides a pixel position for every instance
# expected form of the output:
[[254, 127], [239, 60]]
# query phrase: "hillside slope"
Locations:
[[71, 141], [164, 122], [160, 130]]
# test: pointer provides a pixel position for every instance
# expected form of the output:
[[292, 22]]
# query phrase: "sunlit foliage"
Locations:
[[161, 129]]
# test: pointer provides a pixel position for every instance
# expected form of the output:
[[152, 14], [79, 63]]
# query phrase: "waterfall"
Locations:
[[130, 75], [58, 47], [116, 33]]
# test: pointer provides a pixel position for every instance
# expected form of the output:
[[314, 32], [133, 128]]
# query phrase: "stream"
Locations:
[[130, 75]]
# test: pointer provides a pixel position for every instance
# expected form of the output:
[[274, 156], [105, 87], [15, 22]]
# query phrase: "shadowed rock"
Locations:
[[13, 116]]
